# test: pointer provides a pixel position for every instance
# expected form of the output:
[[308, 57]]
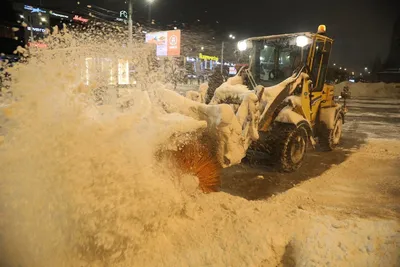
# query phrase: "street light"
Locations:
[[231, 36], [130, 22], [334, 64], [150, 3], [202, 48], [27, 23]]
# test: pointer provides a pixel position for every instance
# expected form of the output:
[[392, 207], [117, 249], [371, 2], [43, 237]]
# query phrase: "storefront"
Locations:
[[35, 21], [201, 67], [39, 22]]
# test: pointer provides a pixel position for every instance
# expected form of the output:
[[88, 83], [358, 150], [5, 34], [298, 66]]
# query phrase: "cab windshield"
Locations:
[[274, 60]]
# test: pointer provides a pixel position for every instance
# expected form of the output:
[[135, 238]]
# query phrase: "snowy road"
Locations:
[[367, 118], [374, 118]]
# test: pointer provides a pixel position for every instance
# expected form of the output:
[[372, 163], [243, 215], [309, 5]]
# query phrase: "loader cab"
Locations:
[[273, 59]]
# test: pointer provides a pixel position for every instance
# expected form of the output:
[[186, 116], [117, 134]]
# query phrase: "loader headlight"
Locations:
[[301, 41], [242, 45]]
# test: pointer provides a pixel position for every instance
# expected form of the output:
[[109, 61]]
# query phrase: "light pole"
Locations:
[[150, 3], [130, 23], [30, 26], [222, 52]]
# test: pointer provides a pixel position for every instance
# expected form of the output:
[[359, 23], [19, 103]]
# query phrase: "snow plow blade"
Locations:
[[221, 141]]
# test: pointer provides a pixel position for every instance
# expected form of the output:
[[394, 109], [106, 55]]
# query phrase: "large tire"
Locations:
[[328, 139], [290, 146]]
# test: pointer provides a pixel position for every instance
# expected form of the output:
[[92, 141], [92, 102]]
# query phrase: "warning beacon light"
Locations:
[[321, 29]]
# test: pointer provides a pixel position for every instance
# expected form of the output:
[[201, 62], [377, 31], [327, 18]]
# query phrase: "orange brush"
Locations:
[[198, 158]]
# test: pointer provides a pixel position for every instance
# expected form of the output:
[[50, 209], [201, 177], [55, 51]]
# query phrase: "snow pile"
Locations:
[[21, 50], [195, 96], [232, 90], [203, 89], [270, 93], [329, 242], [372, 90], [200, 95], [232, 131]]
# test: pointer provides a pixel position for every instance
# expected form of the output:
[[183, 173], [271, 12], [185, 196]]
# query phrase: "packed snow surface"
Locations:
[[80, 185]]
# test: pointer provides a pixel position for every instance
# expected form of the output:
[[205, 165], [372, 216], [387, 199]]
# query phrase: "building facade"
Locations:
[[391, 73]]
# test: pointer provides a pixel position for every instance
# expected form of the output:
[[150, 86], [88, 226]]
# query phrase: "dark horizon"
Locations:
[[362, 30]]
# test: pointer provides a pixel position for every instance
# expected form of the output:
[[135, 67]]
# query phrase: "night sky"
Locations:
[[362, 29]]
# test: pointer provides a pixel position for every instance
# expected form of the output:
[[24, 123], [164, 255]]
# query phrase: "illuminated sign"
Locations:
[[232, 71], [121, 20], [168, 42], [205, 57], [79, 18], [36, 29], [123, 71], [123, 14], [58, 15], [37, 45], [34, 9]]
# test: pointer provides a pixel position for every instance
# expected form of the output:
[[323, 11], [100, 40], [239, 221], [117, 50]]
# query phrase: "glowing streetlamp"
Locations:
[[150, 3], [27, 23], [231, 36], [130, 22]]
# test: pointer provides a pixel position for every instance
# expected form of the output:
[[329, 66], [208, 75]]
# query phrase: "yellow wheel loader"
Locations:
[[278, 103], [297, 106]]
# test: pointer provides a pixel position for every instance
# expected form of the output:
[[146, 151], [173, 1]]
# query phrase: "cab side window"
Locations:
[[320, 63]]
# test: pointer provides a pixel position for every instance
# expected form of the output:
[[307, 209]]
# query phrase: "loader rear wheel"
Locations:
[[291, 147], [330, 138]]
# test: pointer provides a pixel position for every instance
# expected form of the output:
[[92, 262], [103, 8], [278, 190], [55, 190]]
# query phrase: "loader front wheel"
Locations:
[[329, 138], [291, 147]]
